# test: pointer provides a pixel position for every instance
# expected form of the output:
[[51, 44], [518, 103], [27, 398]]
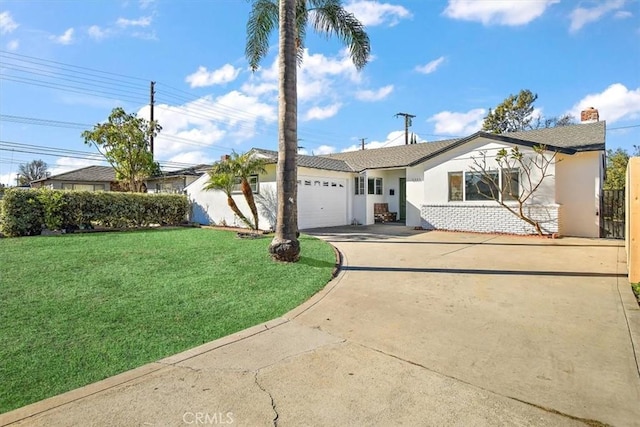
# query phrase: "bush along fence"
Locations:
[[28, 212]]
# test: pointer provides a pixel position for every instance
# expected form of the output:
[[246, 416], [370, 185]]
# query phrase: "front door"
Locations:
[[402, 194]]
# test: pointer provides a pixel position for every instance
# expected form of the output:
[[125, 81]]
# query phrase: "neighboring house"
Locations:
[[175, 181], [430, 185], [90, 178], [103, 178]]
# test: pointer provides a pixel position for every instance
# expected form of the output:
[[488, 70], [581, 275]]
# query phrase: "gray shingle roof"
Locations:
[[314, 162], [86, 174], [569, 139], [390, 157], [580, 137]]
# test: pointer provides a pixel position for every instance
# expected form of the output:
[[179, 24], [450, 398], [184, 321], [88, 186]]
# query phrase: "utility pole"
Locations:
[[362, 141], [407, 123], [151, 103]]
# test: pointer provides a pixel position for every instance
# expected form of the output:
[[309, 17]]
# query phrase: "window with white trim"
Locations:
[[501, 184], [374, 186], [359, 185], [254, 183]]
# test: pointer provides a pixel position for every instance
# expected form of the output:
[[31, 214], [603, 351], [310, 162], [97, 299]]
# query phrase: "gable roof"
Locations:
[[313, 162], [565, 139], [86, 174], [580, 137]]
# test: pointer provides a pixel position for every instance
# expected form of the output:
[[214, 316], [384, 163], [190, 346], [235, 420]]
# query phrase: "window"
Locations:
[[374, 186], [510, 184], [504, 184], [455, 186], [83, 187], [478, 186], [253, 183], [359, 185]]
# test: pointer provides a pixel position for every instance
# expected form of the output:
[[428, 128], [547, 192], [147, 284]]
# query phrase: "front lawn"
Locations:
[[75, 309]]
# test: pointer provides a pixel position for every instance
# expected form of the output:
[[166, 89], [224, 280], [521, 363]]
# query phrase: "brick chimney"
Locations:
[[589, 115]]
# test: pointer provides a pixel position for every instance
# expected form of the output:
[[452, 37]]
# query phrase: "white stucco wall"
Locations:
[[483, 215], [578, 193], [210, 207]]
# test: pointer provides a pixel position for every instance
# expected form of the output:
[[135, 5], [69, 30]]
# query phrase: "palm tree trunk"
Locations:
[[236, 210], [251, 201], [285, 245]]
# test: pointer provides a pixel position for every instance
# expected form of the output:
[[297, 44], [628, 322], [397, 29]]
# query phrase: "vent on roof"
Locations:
[[589, 115]]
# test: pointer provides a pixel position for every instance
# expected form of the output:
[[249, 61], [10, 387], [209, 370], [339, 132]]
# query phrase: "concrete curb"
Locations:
[[71, 396]]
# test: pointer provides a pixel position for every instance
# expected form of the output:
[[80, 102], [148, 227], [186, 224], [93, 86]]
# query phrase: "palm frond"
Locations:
[[262, 21], [330, 18]]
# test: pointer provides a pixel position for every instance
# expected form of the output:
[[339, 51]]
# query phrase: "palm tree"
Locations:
[[327, 17], [223, 178], [243, 166]]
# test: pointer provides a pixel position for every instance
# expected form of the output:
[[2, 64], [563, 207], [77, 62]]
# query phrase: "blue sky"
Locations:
[[64, 64]]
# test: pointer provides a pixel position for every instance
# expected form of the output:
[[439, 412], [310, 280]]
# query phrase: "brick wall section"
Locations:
[[485, 218]]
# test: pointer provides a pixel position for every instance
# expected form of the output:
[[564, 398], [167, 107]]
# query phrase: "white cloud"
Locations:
[[7, 24], [321, 113], [13, 45], [394, 138], [372, 13], [458, 124], [623, 14], [143, 21], [207, 121], [192, 158], [323, 150], [66, 37], [374, 95], [97, 33], [498, 12], [8, 179], [582, 16], [203, 78], [144, 4], [614, 103], [320, 78], [431, 66]]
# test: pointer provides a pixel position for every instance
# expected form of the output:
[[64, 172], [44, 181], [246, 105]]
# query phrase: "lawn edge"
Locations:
[[51, 403]]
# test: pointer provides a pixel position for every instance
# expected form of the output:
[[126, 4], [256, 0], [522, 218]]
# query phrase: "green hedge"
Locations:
[[27, 212]]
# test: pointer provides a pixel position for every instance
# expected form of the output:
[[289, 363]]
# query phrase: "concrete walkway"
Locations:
[[418, 329]]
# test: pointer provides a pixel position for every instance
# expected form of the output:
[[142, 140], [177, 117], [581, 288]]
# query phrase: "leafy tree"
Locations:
[[28, 172], [292, 16], [616, 169], [222, 177], [514, 193], [243, 166], [124, 141], [512, 115]]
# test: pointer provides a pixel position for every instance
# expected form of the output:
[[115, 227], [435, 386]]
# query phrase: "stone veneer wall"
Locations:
[[486, 218]]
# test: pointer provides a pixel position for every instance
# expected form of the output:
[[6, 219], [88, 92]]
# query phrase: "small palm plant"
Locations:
[[244, 166], [223, 178]]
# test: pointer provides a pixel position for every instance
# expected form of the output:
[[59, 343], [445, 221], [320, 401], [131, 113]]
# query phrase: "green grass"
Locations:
[[75, 309], [636, 290]]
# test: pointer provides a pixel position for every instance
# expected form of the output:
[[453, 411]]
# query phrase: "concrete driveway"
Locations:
[[419, 328]]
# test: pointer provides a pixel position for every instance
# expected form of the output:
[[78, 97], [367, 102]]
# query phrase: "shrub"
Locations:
[[22, 213], [26, 212]]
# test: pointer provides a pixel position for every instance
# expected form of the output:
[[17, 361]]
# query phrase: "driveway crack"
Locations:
[[587, 421], [273, 403]]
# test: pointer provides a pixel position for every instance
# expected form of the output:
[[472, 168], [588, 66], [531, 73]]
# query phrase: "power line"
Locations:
[[25, 58]]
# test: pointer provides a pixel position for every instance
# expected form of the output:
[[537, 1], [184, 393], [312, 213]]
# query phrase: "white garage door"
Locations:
[[322, 202]]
